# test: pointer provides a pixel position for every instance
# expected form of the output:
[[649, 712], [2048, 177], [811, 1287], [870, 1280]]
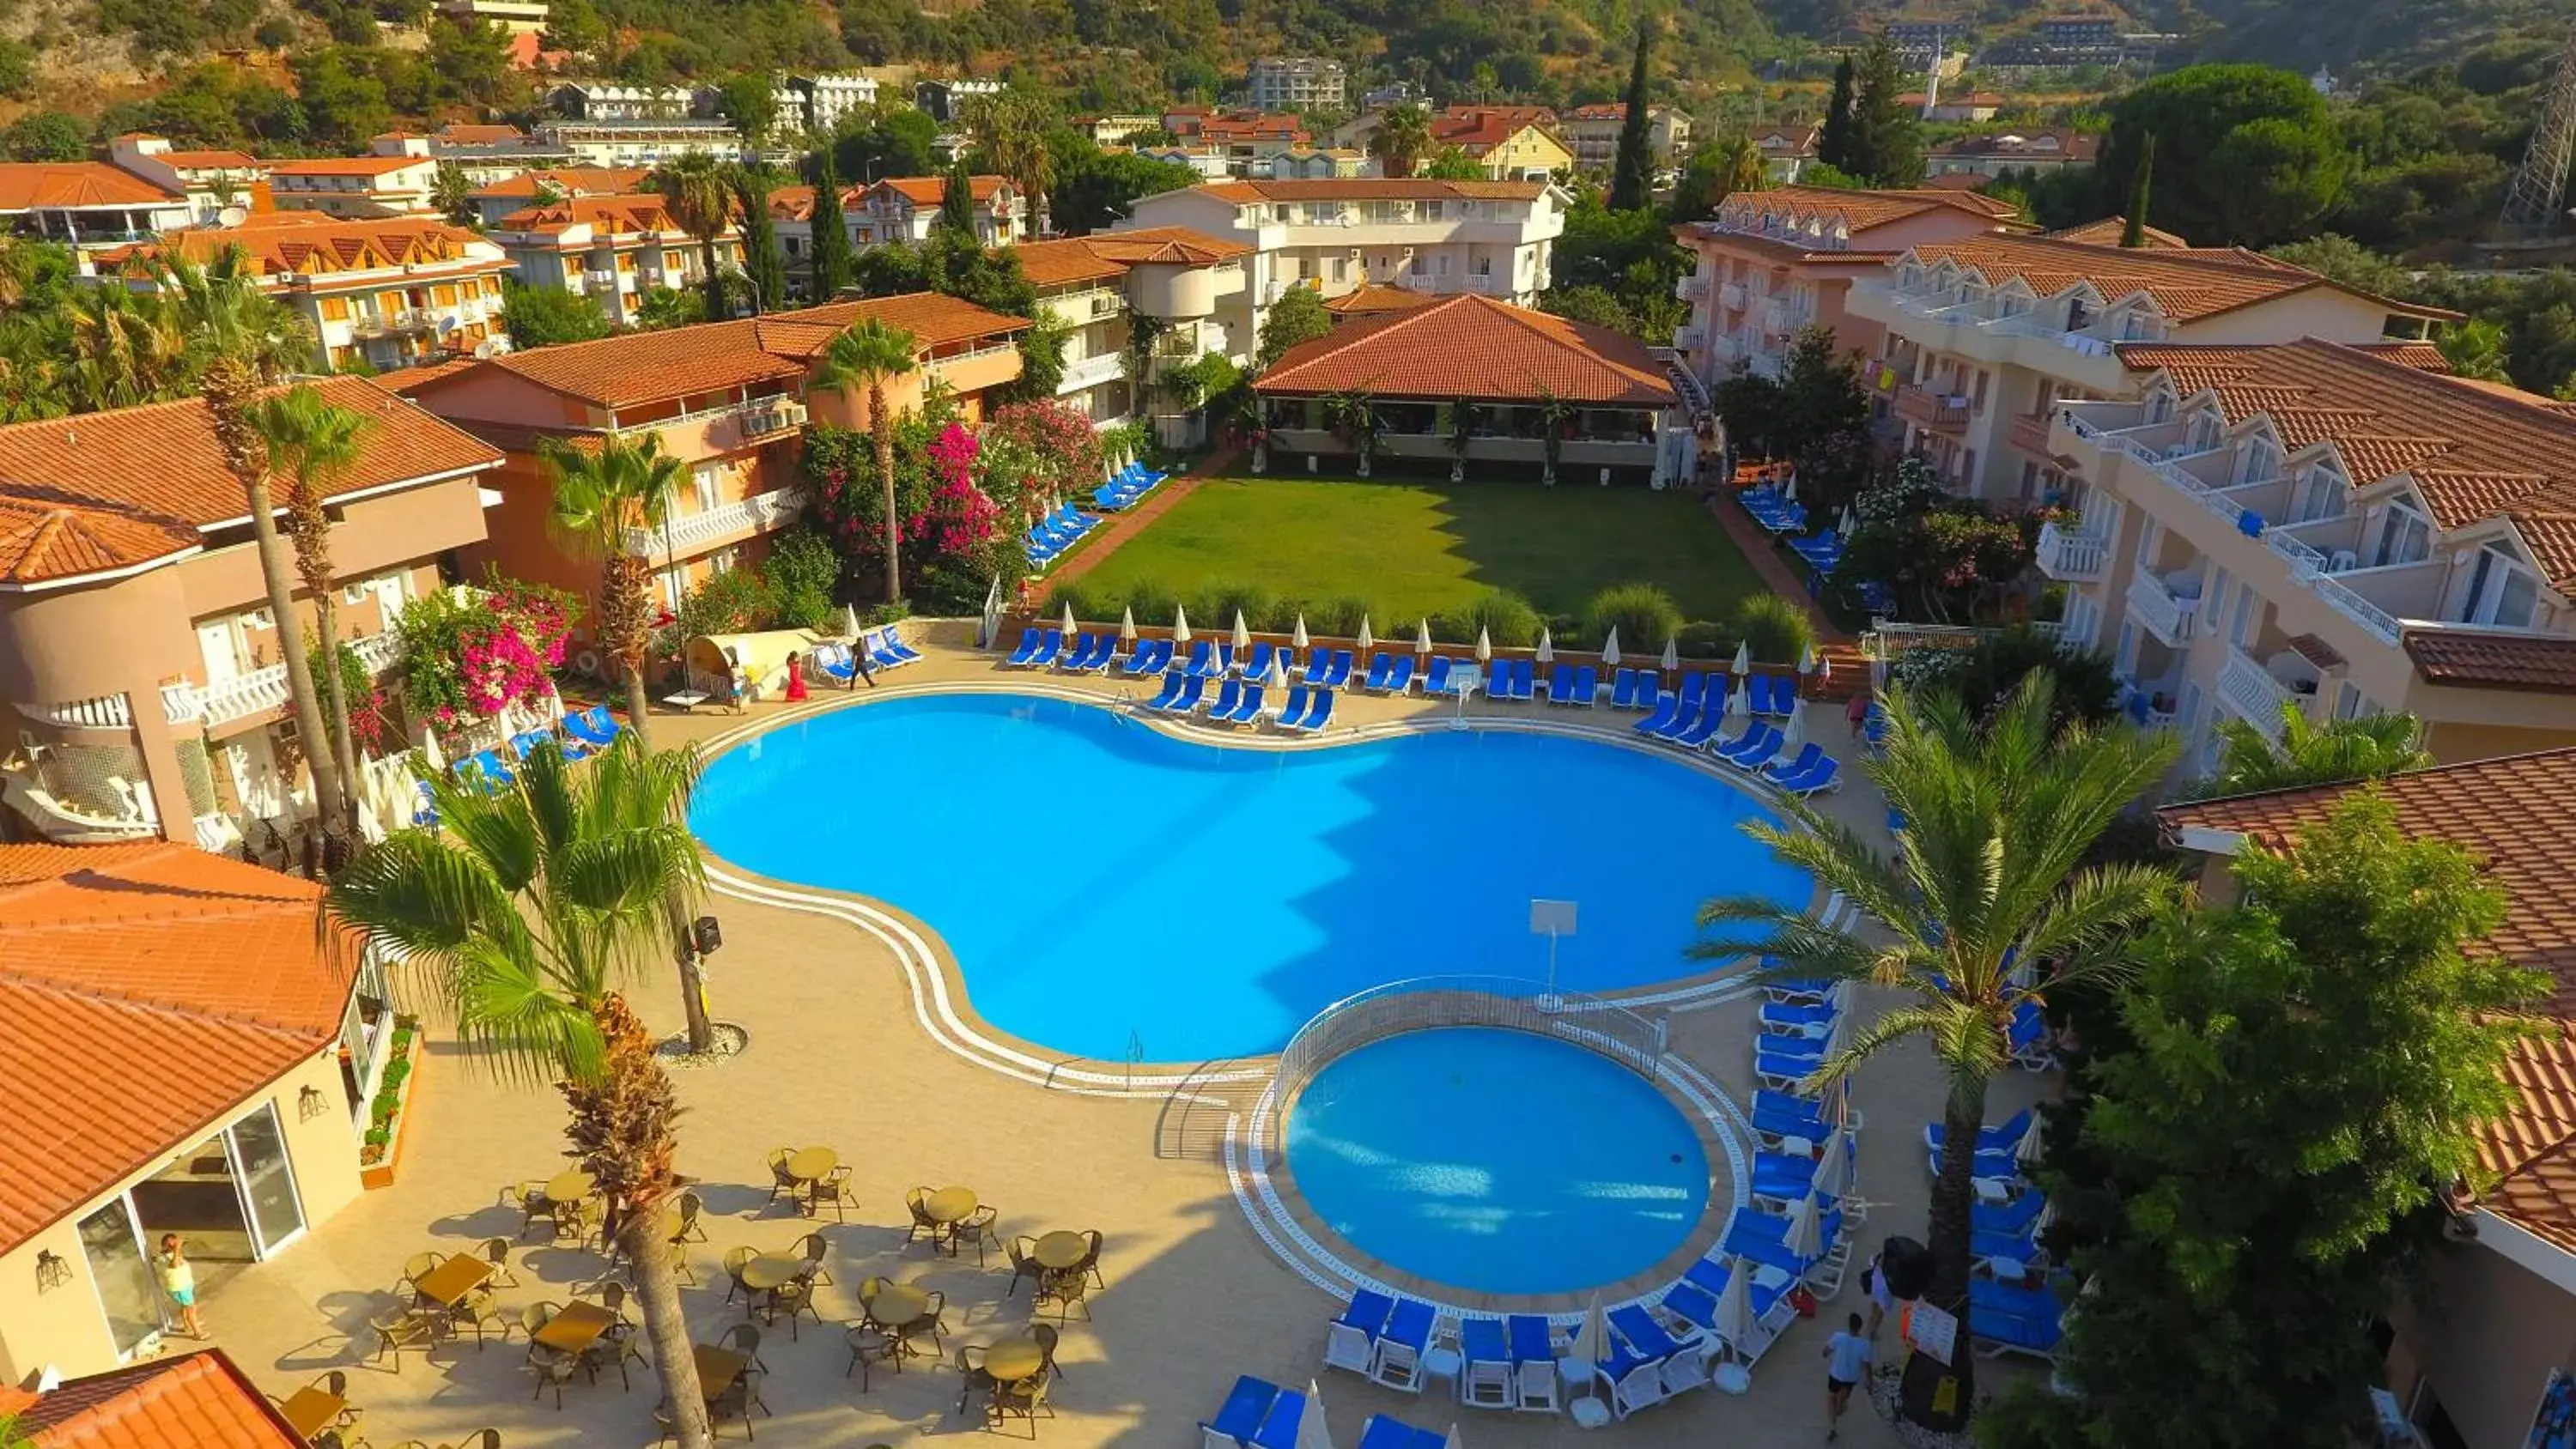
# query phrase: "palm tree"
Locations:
[[694, 190], [315, 442], [2000, 811], [1012, 128], [1555, 414], [231, 389], [1402, 137], [525, 914], [2365, 747], [125, 346], [867, 355], [599, 494], [219, 309]]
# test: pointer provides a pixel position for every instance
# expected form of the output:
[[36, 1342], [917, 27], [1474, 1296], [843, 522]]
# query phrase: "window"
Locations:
[[2160, 406], [2260, 460], [2501, 591], [2405, 536], [721, 561], [2190, 715], [2348, 702], [2240, 625], [2218, 582], [2203, 432], [2320, 494], [707, 480], [2124, 661], [2150, 533]]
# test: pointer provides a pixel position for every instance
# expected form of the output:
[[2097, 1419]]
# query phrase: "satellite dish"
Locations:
[[232, 216]]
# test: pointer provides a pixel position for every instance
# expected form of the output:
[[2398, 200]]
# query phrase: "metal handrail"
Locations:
[[1512, 1003]]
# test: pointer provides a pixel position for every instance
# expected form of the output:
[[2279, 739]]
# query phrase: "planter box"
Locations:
[[380, 1174]]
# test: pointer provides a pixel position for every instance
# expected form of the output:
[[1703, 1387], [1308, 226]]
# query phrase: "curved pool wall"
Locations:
[[1109, 890], [1496, 1161]]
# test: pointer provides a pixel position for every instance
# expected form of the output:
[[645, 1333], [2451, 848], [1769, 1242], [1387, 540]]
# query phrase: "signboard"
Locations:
[[1935, 1331], [1551, 918]]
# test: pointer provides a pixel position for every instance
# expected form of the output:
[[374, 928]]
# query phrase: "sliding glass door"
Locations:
[[117, 1264], [266, 1180]]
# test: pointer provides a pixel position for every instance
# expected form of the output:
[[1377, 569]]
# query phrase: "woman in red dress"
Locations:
[[795, 679]]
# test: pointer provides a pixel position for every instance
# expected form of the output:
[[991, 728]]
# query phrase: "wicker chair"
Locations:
[[690, 1229], [475, 1311], [1045, 1335], [833, 1190], [791, 1298], [978, 1226], [735, 1259], [552, 1371], [811, 1248], [497, 1252], [533, 1205], [536, 1316], [779, 1181], [1023, 1400], [869, 1346], [932, 1322], [972, 1373], [1023, 1264], [1067, 1290], [1090, 1263], [416, 1267], [398, 1331], [923, 1224], [744, 1339]]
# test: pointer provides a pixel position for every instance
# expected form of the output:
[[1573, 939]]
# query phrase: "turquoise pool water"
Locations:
[[1104, 885], [1497, 1161]]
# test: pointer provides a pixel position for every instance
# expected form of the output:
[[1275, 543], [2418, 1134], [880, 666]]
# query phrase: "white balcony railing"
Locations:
[[1687, 336], [1775, 319], [243, 695], [1092, 371], [1691, 287], [601, 277], [691, 532], [760, 417], [2253, 694], [1731, 296], [2161, 611], [2069, 556]]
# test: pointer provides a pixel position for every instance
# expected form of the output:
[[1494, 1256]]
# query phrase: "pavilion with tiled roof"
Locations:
[[198, 1400], [1514, 366]]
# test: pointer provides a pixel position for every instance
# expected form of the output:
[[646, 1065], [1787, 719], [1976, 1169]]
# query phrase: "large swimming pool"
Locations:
[[1106, 887], [1497, 1161]]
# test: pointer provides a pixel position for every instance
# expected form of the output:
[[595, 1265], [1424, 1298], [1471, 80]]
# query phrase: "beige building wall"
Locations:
[[63, 1326], [2485, 1339]]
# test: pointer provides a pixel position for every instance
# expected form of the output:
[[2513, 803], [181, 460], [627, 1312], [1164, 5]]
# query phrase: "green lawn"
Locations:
[[1412, 548]]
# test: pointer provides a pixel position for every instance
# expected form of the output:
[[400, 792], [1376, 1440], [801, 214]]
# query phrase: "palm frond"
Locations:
[[416, 894], [508, 1010], [1929, 1019]]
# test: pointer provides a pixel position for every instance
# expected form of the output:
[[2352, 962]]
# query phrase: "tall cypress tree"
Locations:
[[833, 261], [1632, 175], [2133, 228], [957, 200], [762, 261], [1834, 138], [1886, 143]]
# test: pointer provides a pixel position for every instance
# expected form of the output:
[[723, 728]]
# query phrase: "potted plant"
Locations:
[[380, 1149]]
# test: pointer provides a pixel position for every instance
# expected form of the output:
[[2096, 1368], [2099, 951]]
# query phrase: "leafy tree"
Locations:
[[1042, 348], [1887, 144], [1835, 138], [343, 102], [664, 307], [1011, 133], [2300, 1085], [1632, 172], [891, 269], [313, 443], [889, 140], [46, 136], [1748, 404], [1630, 254], [2133, 226], [762, 260], [1831, 178], [17, 70], [2476, 348], [2245, 154], [543, 316], [2341, 259], [2365, 747], [2001, 809], [2083, 683], [957, 204], [868, 356], [1298, 316], [1715, 171], [1095, 188], [526, 911], [1401, 140], [1821, 393], [831, 255], [694, 190], [1450, 163], [1588, 304], [453, 194], [751, 100], [598, 495]]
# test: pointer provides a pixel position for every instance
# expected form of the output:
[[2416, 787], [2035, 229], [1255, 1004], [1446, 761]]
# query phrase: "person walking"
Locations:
[[859, 667], [1874, 1278], [795, 679], [1847, 1358], [179, 1280]]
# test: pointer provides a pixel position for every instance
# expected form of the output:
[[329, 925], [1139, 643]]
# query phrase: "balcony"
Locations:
[[2162, 612], [1731, 296], [1691, 288], [1776, 320], [1092, 371], [601, 279], [2255, 695], [1688, 335], [1937, 412], [690, 533], [2029, 432], [2071, 557]]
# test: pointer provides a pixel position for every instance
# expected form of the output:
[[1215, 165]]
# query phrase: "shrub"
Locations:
[[1152, 603], [804, 577], [1505, 617], [1086, 606], [1282, 617], [952, 586], [379, 1138], [733, 602], [1221, 601], [1703, 640], [1776, 629], [1337, 618], [1644, 615]]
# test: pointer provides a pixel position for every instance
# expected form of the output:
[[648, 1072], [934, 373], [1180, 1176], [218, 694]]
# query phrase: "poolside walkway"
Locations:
[[838, 1057]]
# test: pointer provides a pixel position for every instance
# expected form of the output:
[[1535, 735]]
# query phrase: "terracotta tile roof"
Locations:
[[636, 368], [1856, 211], [2234, 359], [2107, 231], [106, 490], [1111, 253], [1791, 140], [796, 203], [2515, 813], [926, 192], [2188, 284], [1473, 347], [466, 133], [348, 165], [403, 379], [2046, 141], [1370, 301], [1372, 188], [309, 243], [1481, 133], [641, 213], [572, 180], [2474, 452], [145, 990], [199, 1400], [27, 185], [211, 160], [2541, 664]]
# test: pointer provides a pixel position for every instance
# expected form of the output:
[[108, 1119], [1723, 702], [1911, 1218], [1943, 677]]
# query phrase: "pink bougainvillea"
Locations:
[[960, 516]]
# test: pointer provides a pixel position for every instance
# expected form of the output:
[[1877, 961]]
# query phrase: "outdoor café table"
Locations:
[[717, 1369], [950, 1206], [899, 1306], [1014, 1359], [570, 1185], [810, 1166], [1060, 1252], [312, 1410], [447, 1284], [576, 1328], [764, 1274]]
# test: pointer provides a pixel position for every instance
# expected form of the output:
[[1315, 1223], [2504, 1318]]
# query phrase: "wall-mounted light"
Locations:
[[310, 1104], [51, 1270]]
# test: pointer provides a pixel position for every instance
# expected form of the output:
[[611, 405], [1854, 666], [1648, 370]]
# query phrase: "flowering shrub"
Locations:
[[468, 654], [954, 540], [960, 517], [1064, 448]]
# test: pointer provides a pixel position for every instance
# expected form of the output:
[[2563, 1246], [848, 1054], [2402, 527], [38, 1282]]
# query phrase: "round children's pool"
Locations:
[[1497, 1161]]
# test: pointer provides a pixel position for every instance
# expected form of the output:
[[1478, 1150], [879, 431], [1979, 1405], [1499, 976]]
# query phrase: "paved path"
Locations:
[[1777, 575]]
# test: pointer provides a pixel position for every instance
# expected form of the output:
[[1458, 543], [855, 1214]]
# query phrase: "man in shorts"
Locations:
[[1847, 1359], [179, 1281]]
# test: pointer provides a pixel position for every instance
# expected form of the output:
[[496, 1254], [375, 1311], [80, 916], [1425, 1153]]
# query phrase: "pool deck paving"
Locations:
[[838, 1056]]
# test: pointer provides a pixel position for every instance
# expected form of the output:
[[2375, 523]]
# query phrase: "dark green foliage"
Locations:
[[2245, 155], [1886, 141], [751, 100], [2133, 231], [1298, 316], [763, 262], [1631, 255], [541, 316], [1632, 171], [1644, 615], [957, 203], [1834, 134], [804, 577], [1506, 619], [2084, 681], [832, 258], [1774, 629], [1094, 187], [17, 70], [46, 136], [893, 141]]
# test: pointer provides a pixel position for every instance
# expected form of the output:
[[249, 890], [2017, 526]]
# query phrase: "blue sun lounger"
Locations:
[[1587, 685], [1246, 710], [1030, 638], [486, 764], [1335, 670], [1224, 657], [1437, 680], [1191, 694], [1227, 697], [1350, 1341], [1666, 720], [1525, 680], [1712, 718], [1560, 684], [1781, 1114], [1257, 663], [2010, 1316], [1824, 774], [1077, 659], [1381, 1432], [1623, 690], [1381, 669], [1319, 713], [1400, 1349], [1150, 656], [1245, 1407], [1173, 684], [2016, 1217], [1782, 1175], [1780, 770], [1756, 745], [1294, 709], [1786, 1016], [1400, 678], [1644, 1335], [2003, 1137], [1485, 1372], [1048, 649], [1202, 659], [1279, 1426], [594, 727]]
